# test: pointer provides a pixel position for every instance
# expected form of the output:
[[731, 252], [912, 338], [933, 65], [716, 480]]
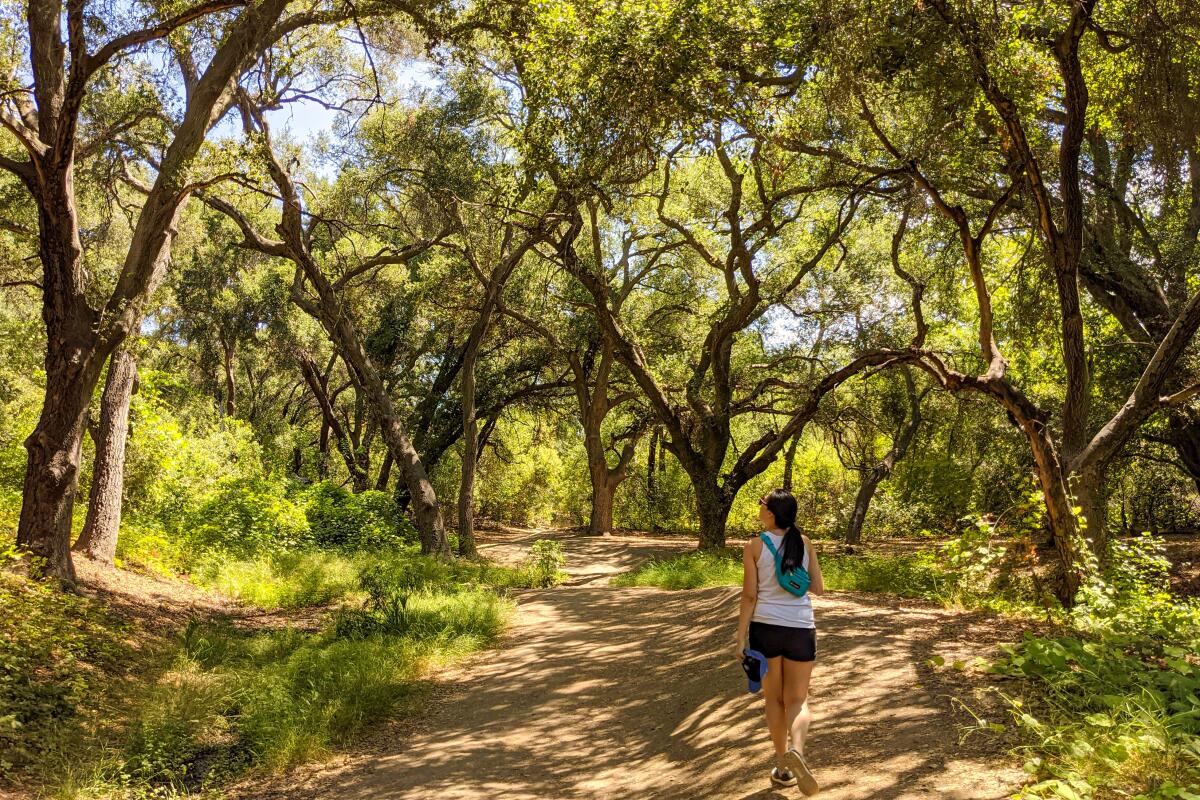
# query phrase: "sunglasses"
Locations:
[[762, 502]]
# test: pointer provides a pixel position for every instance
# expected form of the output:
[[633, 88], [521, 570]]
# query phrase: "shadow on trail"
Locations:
[[603, 692]]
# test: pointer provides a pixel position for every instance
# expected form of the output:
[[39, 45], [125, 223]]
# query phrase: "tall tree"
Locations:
[[754, 200], [492, 249], [48, 122], [947, 96], [320, 297]]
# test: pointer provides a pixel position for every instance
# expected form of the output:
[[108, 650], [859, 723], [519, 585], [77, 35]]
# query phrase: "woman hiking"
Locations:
[[778, 623]]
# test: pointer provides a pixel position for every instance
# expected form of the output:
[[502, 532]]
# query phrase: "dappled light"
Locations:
[[472, 398]]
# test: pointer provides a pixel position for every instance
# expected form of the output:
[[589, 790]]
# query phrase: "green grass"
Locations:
[[303, 578], [231, 700], [909, 575], [86, 715], [693, 570], [915, 575], [285, 580]]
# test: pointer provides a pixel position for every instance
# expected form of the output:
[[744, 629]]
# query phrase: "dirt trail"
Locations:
[[603, 692]]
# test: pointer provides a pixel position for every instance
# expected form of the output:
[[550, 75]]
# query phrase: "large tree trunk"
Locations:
[[713, 510], [601, 520], [73, 365], [100, 530], [1091, 493]]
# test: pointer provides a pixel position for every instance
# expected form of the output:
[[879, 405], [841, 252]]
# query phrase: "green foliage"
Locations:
[[545, 560], [435, 615], [920, 575], [244, 517], [522, 477], [54, 649], [1112, 707], [181, 452], [909, 575], [302, 578], [387, 573], [370, 519]]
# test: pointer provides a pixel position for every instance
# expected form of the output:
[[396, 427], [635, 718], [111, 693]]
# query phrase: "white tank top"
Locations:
[[776, 605]]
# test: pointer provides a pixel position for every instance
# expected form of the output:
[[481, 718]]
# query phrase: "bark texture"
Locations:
[[103, 523]]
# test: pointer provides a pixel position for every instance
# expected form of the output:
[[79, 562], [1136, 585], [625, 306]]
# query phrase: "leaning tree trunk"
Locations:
[[862, 502], [1065, 577], [878, 473], [470, 455], [789, 463], [385, 472], [99, 537]]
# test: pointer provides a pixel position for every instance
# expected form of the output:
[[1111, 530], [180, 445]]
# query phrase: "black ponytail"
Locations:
[[783, 505]]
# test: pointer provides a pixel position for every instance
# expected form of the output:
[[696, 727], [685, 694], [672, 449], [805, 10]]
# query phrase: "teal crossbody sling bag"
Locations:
[[795, 582]]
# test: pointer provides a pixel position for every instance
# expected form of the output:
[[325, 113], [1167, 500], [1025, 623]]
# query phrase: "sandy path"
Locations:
[[601, 692]]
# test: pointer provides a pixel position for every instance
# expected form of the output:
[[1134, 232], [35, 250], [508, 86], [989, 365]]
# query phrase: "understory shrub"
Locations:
[[1111, 706], [54, 648], [370, 519], [248, 516]]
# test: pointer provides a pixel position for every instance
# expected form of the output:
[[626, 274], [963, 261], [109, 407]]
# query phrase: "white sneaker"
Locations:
[[796, 764]]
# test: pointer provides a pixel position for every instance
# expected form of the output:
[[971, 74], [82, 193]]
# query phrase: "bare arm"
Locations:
[[817, 582], [749, 594]]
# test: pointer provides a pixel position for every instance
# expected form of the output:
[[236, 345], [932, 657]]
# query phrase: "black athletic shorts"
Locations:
[[794, 644]]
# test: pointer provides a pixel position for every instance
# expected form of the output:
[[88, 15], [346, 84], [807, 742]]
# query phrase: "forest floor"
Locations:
[[606, 692]]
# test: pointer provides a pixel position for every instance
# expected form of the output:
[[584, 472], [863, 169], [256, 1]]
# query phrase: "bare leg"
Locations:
[[796, 678], [777, 721]]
